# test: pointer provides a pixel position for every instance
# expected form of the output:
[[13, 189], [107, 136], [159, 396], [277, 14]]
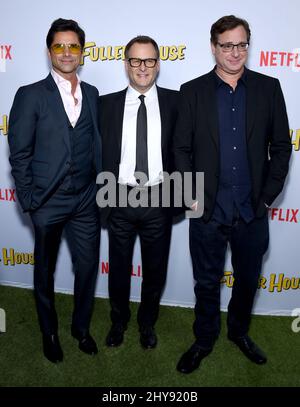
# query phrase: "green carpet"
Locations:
[[23, 364]]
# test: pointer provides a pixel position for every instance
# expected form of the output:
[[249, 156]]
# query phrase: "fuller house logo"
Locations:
[[11, 257], [115, 53], [4, 124], [5, 55], [295, 139], [274, 283]]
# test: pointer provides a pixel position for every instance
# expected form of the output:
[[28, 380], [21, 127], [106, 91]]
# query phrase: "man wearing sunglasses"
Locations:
[[55, 157], [232, 126], [137, 126]]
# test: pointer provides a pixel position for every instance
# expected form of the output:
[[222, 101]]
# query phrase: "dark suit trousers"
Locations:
[[78, 215], [208, 244], [153, 225]]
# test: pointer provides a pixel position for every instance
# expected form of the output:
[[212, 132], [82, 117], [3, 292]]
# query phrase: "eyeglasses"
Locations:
[[229, 47], [60, 48], [148, 62]]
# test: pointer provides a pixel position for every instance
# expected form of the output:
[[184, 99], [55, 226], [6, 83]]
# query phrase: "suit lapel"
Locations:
[[251, 103], [163, 109], [91, 101], [210, 103], [118, 118], [92, 106], [57, 106]]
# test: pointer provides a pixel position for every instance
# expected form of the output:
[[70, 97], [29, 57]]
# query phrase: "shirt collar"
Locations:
[[134, 94], [59, 80], [219, 81]]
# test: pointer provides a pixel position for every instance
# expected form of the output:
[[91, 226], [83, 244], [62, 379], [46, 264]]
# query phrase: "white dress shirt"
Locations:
[[72, 109], [128, 150]]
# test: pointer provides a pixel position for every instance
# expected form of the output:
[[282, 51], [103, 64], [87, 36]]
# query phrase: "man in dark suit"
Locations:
[[233, 127], [55, 157], [137, 127]]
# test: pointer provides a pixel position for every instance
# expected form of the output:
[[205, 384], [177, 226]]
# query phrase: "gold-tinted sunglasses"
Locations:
[[60, 48]]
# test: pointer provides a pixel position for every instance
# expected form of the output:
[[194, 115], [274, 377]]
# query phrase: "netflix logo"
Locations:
[[281, 58], [136, 271], [284, 215], [7, 194], [5, 55]]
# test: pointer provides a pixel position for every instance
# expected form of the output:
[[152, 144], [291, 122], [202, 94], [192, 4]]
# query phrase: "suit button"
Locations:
[[68, 163]]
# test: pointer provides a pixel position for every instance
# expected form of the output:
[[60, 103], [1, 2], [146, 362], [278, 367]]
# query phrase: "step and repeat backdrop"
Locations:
[[182, 31]]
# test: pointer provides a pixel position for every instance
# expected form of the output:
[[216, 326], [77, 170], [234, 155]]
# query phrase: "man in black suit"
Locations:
[[233, 127], [55, 156], [137, 127]]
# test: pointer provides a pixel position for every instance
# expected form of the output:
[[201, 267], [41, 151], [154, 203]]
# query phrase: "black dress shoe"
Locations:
[[116, 335], [88, 345], [148, 337], [85, 342], [249, 349], [191, 359], [52, 349]]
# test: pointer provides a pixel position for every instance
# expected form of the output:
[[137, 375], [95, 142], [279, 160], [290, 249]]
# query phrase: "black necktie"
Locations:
[[141, 139]]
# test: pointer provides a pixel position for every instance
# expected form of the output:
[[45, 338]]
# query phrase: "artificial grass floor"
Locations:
[[23, 364]]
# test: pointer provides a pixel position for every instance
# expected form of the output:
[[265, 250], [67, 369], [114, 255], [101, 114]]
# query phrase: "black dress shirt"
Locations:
[[234, 192]]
